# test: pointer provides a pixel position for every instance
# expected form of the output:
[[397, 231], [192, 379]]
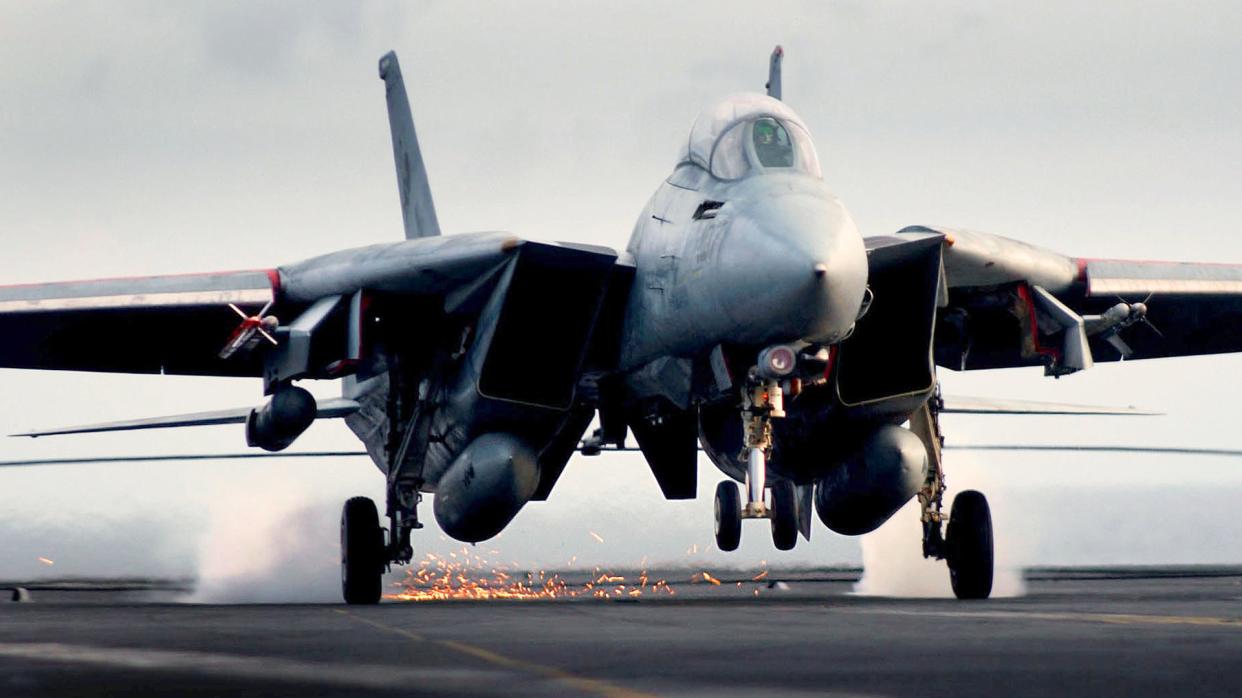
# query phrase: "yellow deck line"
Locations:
[[1111, 618], [581, 683]]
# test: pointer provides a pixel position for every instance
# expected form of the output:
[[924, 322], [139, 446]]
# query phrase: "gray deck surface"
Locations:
[[1076, 632]]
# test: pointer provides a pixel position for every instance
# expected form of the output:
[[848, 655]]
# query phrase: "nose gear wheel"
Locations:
[[784, 515], [728, 516], [762, 400]]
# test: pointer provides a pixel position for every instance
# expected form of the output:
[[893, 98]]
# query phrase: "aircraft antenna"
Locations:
[[774, 73]]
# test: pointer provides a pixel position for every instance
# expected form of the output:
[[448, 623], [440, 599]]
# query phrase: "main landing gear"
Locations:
[[763, 401], [362, 552], [967, 545], [367, 549]]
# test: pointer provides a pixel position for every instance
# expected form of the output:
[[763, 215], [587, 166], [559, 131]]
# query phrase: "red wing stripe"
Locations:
[[241, 288]]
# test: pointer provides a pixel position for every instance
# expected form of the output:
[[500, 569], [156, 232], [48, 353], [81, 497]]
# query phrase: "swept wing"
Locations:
[[1009, 303], [177, 324]]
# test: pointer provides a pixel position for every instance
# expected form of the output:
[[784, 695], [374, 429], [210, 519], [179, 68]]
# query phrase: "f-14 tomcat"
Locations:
[[747, 317]]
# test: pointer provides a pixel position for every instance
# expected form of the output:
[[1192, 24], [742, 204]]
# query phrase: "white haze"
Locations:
[[892, 555], [287, 554]]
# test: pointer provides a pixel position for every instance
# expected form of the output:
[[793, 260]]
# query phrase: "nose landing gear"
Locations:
[[784, 515], [763, 401], [728, 516]]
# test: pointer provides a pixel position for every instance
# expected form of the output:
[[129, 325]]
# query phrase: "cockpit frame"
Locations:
[[735, 155], [722, 143]]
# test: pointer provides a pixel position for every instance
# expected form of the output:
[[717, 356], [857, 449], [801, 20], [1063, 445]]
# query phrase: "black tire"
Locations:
[[362, 550], [969, 543], [728, 516], [784, 515]]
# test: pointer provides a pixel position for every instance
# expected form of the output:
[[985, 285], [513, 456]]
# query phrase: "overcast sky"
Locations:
[[146, 138]]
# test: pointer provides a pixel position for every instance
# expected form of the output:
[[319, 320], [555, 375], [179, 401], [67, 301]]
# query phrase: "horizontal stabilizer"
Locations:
[[984, 405], [172, 457], [326, 409], [255, 455]]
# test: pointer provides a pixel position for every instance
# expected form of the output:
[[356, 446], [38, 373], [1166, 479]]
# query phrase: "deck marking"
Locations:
[[235, 666], [581, 683], [390, 628], [1110, 618]]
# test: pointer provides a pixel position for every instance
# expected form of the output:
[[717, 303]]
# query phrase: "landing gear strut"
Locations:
[[763, 401], [967, 547], [403, 503]]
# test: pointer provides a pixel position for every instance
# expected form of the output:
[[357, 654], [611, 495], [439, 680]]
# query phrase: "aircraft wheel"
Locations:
[[969, 546], [784, 515], [362, 552], [728, 516]]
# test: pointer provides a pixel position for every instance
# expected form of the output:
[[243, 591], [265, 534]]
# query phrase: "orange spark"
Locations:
[[46, 561], [596, 536], [467, 576], [704, 576]]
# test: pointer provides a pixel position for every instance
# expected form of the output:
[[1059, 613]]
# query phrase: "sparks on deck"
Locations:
[[466, 576]]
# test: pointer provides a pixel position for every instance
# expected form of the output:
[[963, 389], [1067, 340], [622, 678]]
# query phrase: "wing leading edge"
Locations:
[[1015, 304]]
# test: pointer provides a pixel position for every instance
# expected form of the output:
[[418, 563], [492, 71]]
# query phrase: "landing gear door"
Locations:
[[889, 355], [537, 345]]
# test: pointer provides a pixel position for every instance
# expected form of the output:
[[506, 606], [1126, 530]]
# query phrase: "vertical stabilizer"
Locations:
[[774, 73], [417, 210]]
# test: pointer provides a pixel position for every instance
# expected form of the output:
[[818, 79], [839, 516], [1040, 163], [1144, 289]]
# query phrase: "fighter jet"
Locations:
[[747, 317]]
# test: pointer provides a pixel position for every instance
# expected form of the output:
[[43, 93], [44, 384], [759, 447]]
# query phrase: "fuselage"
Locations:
[[740, 246], [742, 249]]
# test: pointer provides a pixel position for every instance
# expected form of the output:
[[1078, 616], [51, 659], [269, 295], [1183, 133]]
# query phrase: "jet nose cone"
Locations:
[[799, 270]]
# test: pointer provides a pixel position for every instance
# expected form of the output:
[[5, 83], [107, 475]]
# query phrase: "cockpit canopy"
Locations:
[[750, 133]]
